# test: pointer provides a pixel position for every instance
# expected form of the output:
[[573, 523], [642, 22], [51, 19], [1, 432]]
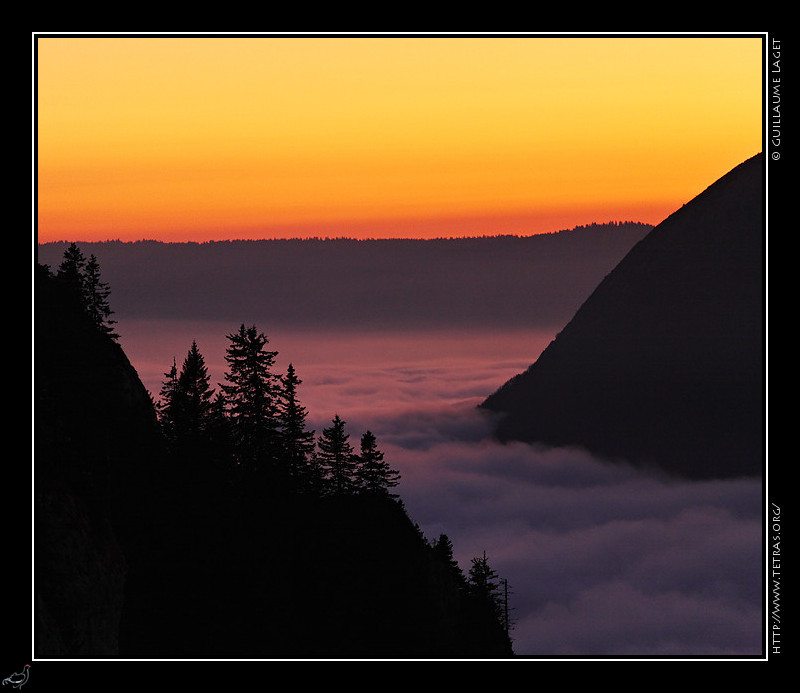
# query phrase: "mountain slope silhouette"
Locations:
[[663, 364], [144, 554]]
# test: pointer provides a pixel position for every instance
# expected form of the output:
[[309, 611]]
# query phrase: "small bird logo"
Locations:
[[18, 680]]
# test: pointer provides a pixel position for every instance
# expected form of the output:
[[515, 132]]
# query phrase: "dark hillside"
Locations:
[[663, 363], [96, 451], [140, 554]]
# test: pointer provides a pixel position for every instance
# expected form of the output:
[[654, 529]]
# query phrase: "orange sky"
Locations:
[[201, 138]]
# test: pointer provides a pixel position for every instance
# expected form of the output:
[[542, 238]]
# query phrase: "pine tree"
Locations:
[[251, 400], [192, 405], [443, 554], [484, 586], [443, 550], [298, 443], [373, 474], [185, 409], [82, 279], [335, 457], [166, 398], [71, 271], [96, 293]]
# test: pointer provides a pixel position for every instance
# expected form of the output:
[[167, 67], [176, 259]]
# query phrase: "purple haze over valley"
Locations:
[[601, 559]]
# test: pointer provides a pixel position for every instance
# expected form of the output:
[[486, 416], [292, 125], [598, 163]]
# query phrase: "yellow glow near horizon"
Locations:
[[210, 138]]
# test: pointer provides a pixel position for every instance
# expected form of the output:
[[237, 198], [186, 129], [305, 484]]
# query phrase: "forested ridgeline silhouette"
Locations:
[[488, 282], [211, 523], [663, 364]]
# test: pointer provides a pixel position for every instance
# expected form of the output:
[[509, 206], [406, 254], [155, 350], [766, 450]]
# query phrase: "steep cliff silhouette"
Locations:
[[139, 554], [663, 363], [97, 453]]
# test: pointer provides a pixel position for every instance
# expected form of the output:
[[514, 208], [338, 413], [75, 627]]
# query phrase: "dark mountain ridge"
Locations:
[[475, 282], [663, 364]]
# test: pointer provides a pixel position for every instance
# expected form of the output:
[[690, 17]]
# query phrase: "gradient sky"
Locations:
[[201, 138]]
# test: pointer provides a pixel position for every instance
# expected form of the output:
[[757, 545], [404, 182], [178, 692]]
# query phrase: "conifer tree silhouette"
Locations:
[[373, 474], [167, 395], [185, 410], [251, 400], [193, 408], [335, 457], [443, 550], [83, 282], [71, 271], [484, 586], [96, 293], [298, 443]]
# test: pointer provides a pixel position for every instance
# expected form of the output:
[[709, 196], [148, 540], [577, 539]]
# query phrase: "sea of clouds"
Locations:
[[602, 559]]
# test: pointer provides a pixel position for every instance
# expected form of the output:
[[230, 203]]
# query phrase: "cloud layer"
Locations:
[[602, 559]]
